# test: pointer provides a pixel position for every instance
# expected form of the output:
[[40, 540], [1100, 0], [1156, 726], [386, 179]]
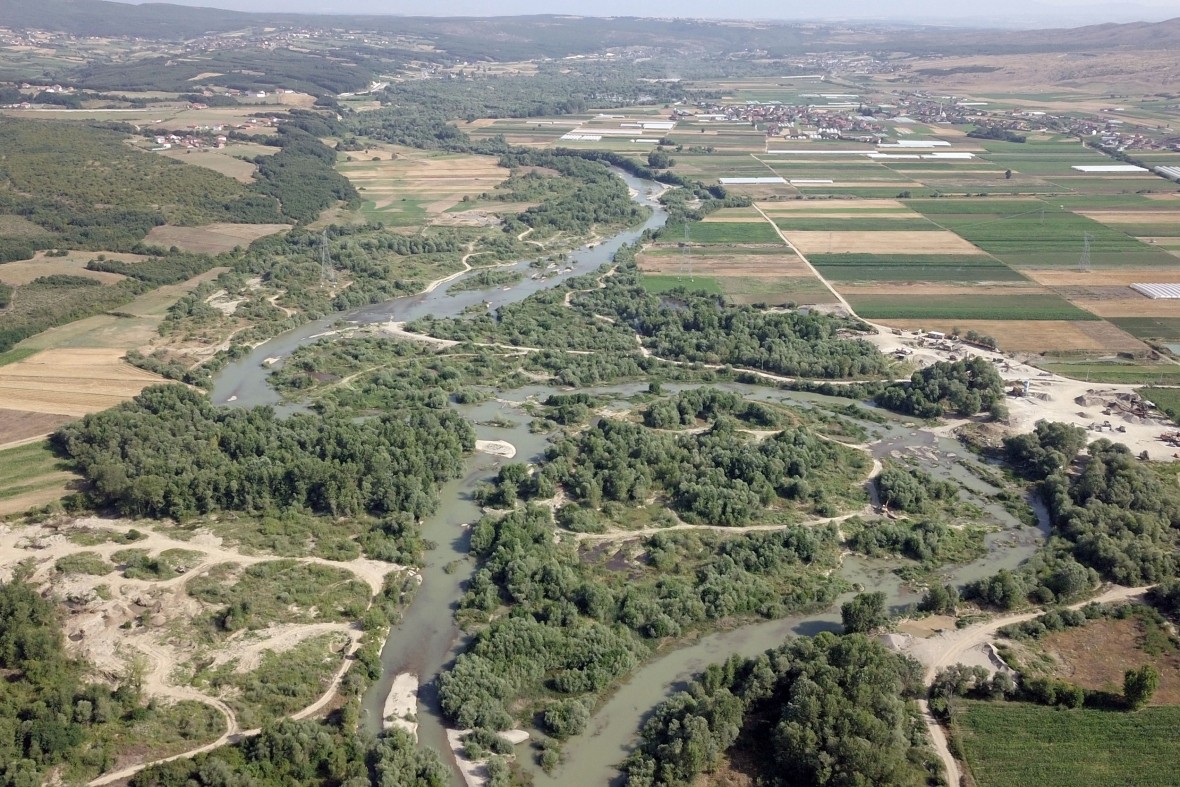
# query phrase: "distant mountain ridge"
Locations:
[[558, 35]]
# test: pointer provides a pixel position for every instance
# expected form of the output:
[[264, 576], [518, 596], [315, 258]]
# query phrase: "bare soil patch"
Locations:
[[71, 382], [212, 238], [884, 242], [1035, 336], [1096, 655], [17, 426], [927, 626]]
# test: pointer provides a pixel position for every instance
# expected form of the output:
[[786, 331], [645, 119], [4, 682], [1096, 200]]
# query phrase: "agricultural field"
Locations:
[[73, 263], [1009, 744], [31, 474], [736, 253], [402, 187], [230, 160], [212, 238], [959, 268], [885, 306], [71, 382]]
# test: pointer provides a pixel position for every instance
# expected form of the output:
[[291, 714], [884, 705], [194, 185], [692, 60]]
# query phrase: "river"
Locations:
[[428, 639]]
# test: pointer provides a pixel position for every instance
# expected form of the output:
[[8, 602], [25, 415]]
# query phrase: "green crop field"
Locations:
[[658, 284], [724, 232], [776, 291], [1117, 372], [900, 267], [1010, 744], [1165, 328], [968, 307], [1166, 399], [1001, 207], [1032, 238]]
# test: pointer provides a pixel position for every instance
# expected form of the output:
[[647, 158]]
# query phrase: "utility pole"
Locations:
[[325, 261]]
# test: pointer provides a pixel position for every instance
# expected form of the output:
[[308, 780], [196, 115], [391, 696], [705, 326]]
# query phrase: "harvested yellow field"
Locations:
[[1131, 216], [73, 264], [1134, 306], [1035, 336], [881, 242], [71, 382], [1098, 278], [212, 238]]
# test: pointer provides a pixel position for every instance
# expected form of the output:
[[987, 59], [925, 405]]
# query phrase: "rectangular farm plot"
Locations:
[[1045, 306], [1048, 238], [756, 262], [1035, 336], [881, 242], [852, 222], [910, 267], [1014, 744], [723, 232]]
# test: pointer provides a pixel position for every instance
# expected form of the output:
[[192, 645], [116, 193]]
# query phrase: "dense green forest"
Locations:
[[170, 453], [309, 754], [573, 627], [827, 710], [1116, 518], [721, 476], [964, 387], [88, 189], [51, 716]]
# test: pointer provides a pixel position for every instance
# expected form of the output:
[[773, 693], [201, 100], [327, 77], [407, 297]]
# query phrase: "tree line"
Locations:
[[170, 453]]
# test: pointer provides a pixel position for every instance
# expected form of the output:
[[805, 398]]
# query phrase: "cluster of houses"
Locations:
[[191, 141], [831, 116]]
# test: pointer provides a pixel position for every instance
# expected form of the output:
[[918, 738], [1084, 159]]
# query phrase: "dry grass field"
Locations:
[[135, 328], [1096, 655], [212, 238], [883, 242], [225, 161], [73, 264], [778, 263], [1102, 278], [1134, 305], [71, 382], [1131, 216], [1036, 336]]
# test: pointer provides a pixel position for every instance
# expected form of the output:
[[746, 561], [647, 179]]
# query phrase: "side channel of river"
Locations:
[[428, 639]]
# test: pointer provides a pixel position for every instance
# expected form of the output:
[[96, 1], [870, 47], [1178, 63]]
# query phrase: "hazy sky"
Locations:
[[1066, 10]]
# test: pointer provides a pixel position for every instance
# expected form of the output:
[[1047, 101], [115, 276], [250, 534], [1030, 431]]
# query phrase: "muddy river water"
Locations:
[[428, 639]]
